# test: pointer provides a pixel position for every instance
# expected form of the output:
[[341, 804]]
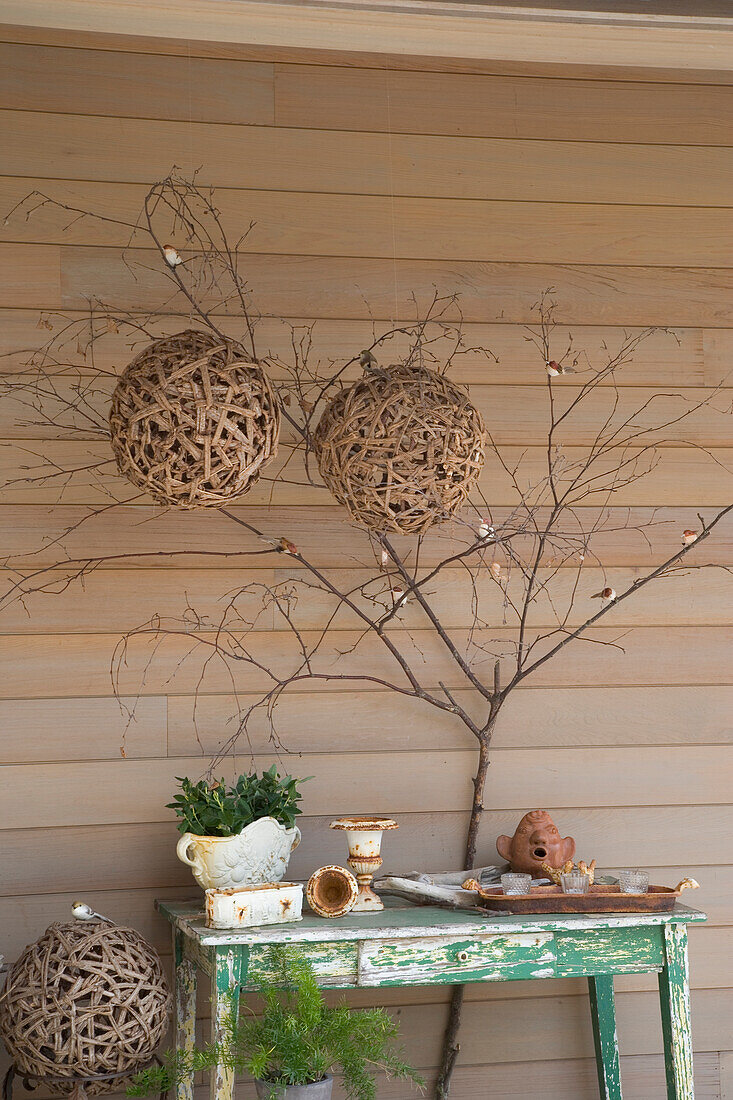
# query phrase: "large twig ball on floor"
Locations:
[[84, 999], [193, 420], [401, 448]]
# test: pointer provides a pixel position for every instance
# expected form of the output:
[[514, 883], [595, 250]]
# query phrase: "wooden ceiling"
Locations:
[[681, 40]]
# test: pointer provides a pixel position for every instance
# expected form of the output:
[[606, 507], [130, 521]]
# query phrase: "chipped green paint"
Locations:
[[335, 964], [229, 971], [605, 1035], [410, 945], [185, 1021], [609, 950], [674, 996], [441, 961], [398, 921], [201, 957]]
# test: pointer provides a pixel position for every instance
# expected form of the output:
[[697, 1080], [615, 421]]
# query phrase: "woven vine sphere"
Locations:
[[193, 420], [85, 998], [401, 448]]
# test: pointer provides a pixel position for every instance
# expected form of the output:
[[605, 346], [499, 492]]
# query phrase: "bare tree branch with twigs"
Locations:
[[519, 573]]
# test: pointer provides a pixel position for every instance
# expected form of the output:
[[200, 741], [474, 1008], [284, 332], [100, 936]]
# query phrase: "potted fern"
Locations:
[[297, 1040], [240, 835]]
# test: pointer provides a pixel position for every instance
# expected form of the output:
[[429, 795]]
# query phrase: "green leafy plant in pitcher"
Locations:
[[241, 835]]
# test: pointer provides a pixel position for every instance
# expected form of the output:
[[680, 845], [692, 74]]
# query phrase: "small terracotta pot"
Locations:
[[319, 1090], [331, 891]]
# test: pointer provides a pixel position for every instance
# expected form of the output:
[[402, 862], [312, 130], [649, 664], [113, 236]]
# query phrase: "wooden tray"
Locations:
[[600, 899]]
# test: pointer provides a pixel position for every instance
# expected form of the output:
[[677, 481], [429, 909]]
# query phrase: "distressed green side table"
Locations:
[[409, 945]]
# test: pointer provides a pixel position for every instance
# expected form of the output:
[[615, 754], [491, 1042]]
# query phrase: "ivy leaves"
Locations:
[[212, 809]]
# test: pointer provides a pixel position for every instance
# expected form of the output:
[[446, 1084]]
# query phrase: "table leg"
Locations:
[[605, 1037], [226, 978], [674, 996], [185, 982]]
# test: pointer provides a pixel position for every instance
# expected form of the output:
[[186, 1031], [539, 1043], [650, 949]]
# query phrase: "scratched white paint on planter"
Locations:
[[259, 853], [268, 903]]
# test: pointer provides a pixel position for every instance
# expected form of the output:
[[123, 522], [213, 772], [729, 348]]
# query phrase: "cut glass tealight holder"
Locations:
[[575, 882], [633, 882], [516, 883]]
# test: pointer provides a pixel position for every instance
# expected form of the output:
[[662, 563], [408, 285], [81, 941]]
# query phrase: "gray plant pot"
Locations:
[[319, 1090]]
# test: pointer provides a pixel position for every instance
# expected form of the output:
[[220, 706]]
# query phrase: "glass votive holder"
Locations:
[[633, 882], [575, 882], [516, 883]]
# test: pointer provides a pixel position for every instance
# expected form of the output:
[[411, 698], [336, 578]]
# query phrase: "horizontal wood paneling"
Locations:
[[575, 110], [292, 223], [328, 287], [698, 477], [359, 782], [369, 186], [31, 279], [411, 60], [77, 729], [565, 1079], [537, 717], [83, 663], [148, 536], [695, 415], [280, 158], [664, 46], [142, 856], [97, 82], [497, 354], [80, 729], [699, 598], [41, 78], [353, 287], [498, 1036], [561, 1079]]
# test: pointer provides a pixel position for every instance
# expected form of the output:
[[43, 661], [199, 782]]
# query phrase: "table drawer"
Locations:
[[609, 950], [441, 961], [334, 964]]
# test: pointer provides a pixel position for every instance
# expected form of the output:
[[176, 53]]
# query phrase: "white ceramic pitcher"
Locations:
[[260, 853]]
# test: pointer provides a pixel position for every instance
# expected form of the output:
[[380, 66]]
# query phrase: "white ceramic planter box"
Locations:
[[268, 903], [258, 854]]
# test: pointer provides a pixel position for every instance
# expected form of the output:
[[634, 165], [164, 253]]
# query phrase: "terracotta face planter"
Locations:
[[535, 841]]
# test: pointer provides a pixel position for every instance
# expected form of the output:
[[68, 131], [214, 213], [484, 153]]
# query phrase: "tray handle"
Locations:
[[686, 884]]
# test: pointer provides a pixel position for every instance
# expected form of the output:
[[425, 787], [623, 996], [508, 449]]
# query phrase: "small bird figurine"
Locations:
[[285, 546], [172, 257], [606, 595], [486, 531], [399, 598], [688, 537], [554, 368], [367, 360], [495, 570], [82, 911]]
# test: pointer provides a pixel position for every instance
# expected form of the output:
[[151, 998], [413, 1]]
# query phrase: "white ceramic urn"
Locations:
[[260, 853]]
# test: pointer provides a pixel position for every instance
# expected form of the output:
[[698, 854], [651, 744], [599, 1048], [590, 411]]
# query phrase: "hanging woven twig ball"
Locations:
[[401, 448], [194, 420], [84, 999]]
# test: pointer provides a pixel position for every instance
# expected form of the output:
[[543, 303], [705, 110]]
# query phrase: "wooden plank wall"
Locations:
[[366, 186]]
